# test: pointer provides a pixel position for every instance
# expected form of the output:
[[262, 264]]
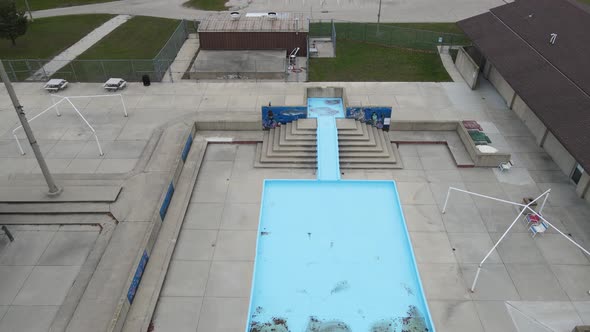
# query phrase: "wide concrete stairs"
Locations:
[[294, 145]]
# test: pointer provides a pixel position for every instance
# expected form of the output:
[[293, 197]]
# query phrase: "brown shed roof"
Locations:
[[255, 22], [553, 80]]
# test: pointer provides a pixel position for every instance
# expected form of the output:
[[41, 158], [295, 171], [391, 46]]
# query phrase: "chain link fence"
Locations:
[[387, 35], [100, 70]]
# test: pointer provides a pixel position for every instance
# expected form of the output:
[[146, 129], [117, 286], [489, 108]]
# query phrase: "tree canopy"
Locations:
[[13, 23]]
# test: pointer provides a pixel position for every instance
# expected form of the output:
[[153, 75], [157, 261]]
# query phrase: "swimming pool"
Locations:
[[334, 255]]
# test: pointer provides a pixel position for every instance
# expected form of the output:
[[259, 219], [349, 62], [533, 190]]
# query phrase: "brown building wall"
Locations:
[[254, 41]]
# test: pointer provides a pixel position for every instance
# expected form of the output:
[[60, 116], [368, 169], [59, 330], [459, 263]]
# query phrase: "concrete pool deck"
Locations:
[[213, 274], [208, 283]]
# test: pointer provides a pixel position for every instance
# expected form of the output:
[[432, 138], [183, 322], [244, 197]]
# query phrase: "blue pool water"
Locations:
[[325, 107], [334, 255]]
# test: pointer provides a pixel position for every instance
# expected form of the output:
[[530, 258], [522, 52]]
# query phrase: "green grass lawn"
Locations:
[[388, 52], [141, 37], [48, 4], [358, 61], [216, 5], [47, 37]]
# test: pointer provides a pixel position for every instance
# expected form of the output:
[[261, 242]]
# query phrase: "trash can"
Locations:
[[146, 80]]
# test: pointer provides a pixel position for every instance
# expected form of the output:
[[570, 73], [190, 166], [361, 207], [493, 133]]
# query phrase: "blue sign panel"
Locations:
[[187, 147], [379, 117], [137, 277], [166, 201], [274, 116]]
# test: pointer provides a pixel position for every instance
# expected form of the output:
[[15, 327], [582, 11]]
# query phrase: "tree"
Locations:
[[13, 23]]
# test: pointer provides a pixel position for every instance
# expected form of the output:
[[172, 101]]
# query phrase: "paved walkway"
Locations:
[[350, 10], [449, 65], [62, 59], [37, 271], [183, 59]]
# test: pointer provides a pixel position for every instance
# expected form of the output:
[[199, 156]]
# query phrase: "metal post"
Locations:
[[53, 188], [88, 124], [12, 70], [543, 204], [133, 69], [42, 68], [22, 152], [446, 201], [104, 72], [332, 29], [334, 37], [74, 71], [492, 250], [56, 105], [124, 108], [502, 237], [391, 30]]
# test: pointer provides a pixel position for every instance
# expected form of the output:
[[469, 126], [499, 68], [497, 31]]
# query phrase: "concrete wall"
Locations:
[[243, 75], [467, 67], [504, 89], [405, 125], [529, 118], [562, 158], [225, 125], [480, 159], [583, 187], [324, 92]]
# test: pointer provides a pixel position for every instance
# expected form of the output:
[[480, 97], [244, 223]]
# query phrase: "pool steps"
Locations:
[[360, 146]]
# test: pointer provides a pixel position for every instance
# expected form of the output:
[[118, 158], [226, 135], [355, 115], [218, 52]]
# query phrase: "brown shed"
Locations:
[[255, 31]]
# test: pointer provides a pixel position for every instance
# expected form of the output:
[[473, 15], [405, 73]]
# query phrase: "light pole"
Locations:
[[53, 188], [29, 9], [378, 17]]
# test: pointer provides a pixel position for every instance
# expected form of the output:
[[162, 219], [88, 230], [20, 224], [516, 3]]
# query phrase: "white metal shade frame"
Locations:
[[55, 106], [525, 207]]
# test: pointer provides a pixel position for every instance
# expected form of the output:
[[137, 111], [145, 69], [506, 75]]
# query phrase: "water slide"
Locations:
[[327, 149]]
